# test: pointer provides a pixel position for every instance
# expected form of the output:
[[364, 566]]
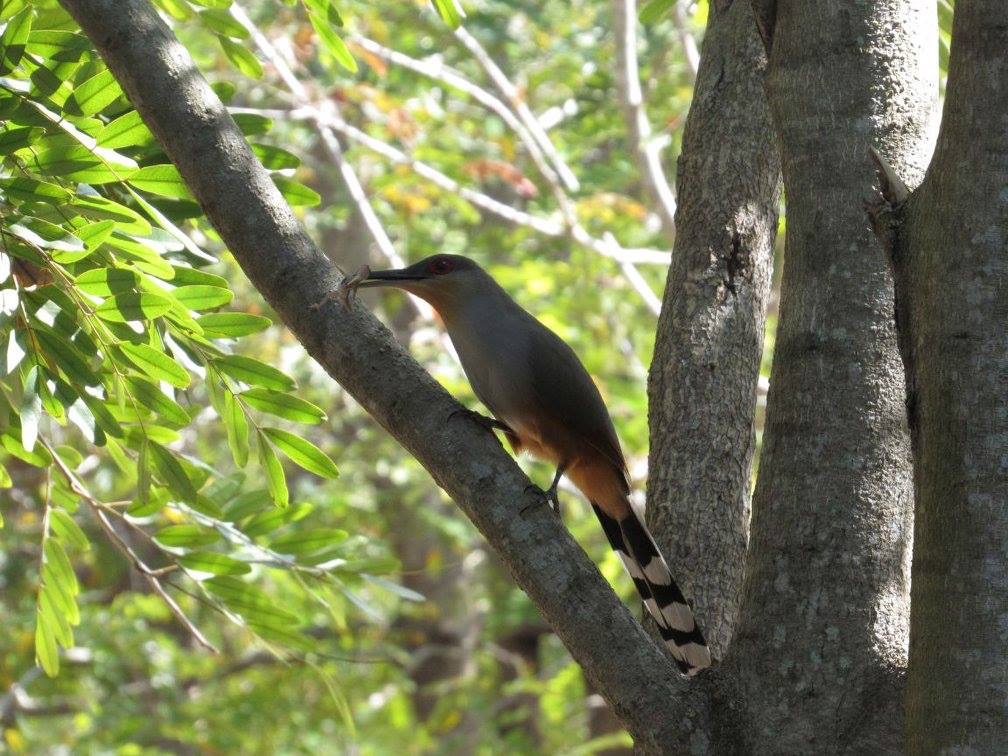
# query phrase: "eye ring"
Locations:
[[440, 266]]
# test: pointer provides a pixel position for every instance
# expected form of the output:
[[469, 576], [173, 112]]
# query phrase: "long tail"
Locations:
[[630, 539]]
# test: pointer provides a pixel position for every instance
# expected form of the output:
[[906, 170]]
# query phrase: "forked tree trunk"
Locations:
[[702, 385]]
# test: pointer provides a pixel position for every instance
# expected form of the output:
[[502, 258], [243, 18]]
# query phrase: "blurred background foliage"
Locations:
[[351, 614]]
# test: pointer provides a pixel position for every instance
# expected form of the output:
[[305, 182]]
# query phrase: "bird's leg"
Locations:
[[550, 495], [483, 421]]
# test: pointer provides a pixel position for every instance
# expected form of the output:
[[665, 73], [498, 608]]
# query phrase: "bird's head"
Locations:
[[445, 281]]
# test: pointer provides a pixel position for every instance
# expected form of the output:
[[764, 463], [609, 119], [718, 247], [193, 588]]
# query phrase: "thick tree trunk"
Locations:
[[951, 264], [702, 385], [822, 633]]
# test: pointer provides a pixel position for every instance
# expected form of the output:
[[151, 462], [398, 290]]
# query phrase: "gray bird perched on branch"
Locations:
[[545, 402]]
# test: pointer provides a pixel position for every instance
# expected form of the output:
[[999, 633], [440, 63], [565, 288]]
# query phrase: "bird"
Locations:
[[544, 401]]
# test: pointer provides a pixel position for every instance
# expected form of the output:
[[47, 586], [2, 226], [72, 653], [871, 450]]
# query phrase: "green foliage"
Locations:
[[116, 338]]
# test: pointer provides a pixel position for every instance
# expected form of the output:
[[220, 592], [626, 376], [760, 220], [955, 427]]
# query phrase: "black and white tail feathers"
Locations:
[[630, 539]]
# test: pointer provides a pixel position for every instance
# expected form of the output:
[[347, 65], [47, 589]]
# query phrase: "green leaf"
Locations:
[[241, 57], [333, 43], [171, 472], [127, 130], [61, 570], [30, 410], [308, 541], [36, 457], [222, 22], [237, 429], [296, 194], [232, 324], [25, 189], [46, 653], [653, 10], [156, 364], [253, 372], [202, 297], [186, 536], [163, 180], [252, 124], [94, 95], [151, 397], [77, 163], [100, 208], [13, 139], [303, 452], [214, 564], [67, 531], [250, 602], [450, 12], [107, 282], [275, 480], [275, 158], [124, 308], [283, 405], [14, 38]]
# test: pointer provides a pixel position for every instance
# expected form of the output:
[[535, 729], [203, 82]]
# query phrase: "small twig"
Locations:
[[150, 575]]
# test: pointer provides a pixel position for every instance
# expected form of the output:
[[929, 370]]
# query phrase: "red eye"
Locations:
[[441, 265]]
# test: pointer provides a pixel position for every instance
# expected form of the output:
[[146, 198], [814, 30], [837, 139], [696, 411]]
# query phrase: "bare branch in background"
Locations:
[[645, 147], [686, 38], [437, 70], [521, 120], [514, 98]]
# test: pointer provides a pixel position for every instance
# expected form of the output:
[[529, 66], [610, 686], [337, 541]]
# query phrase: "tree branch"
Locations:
[[239, 198]]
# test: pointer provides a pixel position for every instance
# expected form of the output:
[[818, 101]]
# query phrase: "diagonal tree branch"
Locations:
[[237, 195]]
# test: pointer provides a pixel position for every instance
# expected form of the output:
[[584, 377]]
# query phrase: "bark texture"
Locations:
[[951, 264], [239, 198], [702, 384], [822, 633]]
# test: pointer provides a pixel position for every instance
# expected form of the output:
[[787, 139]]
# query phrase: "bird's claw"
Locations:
[[481, 420], [346, 290], [542, 497]]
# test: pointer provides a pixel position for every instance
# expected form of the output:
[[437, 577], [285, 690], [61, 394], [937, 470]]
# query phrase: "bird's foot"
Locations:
[[346, 290], [483, 421], [543, 497]]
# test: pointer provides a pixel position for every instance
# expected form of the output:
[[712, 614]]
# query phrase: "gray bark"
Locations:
[[823, 624], [951, 265], [239, 198], [702, 385]]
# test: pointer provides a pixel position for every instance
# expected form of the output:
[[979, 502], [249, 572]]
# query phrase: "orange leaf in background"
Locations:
[[484, 168], [378, 65], [401, 125]]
